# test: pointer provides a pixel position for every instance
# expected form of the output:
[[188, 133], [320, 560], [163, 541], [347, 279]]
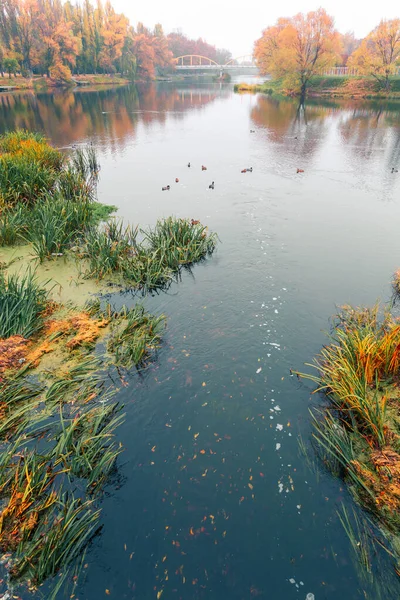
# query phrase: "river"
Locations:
[[214, 498]]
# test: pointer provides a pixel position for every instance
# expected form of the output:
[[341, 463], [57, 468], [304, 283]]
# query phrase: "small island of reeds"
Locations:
[[59, 361], [357, 430]]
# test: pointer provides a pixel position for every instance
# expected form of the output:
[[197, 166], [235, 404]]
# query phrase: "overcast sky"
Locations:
[[237, 24]]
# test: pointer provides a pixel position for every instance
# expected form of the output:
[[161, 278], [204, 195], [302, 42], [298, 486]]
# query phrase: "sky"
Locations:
[[236, 25]]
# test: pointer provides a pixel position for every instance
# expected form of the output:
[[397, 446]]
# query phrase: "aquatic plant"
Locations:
[[12, 225], [180, 241], [357, 433], [172, 244], [55, 223], [85, 443], [22, 302], [135, 336]]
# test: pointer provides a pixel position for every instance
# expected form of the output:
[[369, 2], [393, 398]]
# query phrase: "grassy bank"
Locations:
[[328, 86], [58, 415], [43, 83], [357, 430]]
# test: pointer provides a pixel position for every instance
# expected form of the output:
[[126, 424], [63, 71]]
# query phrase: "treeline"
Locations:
[[297, 48], [57, 39], [180, 45]]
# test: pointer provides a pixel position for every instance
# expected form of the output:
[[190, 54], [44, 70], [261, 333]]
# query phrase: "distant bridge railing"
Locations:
[[347, 71], [199, 62]]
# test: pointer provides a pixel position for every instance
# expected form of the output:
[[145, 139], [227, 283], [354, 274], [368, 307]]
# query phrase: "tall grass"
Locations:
[[180, 242], [22, 302], [55, 223], [134, 339], [164, 250]]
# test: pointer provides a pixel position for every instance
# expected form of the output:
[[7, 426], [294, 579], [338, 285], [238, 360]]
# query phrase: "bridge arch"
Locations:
[[210, 61], [244, 56]]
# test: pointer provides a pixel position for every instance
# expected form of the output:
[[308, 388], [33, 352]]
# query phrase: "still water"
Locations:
[[213, 498]]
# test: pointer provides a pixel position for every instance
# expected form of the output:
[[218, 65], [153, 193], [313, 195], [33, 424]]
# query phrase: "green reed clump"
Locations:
[[24, 180], [146, 269], [86, 444], [22, 302], [108, 248], [149, 264], [12, 225], [57, 542], [84, 161], [357, 434], [55, 223], [133, 340], [180, 241]]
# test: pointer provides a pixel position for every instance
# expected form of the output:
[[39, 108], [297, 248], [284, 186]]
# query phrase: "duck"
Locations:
[[252, 131], [394, 170], [193, 222], [250, 170], [300, 171], [203, 168], [211, 186], [188, 164], [166, 188], [176, 180]]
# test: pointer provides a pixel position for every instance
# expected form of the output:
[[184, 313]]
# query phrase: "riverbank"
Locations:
[[45, 83], [328, 87]]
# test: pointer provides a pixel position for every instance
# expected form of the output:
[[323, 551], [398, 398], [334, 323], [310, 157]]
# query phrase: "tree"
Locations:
[[298, 48], [11, 66], [113, 32], [379, 53], [349, 44]]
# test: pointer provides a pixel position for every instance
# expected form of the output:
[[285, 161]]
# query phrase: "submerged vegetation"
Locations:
[[358, 431], [58, 417]]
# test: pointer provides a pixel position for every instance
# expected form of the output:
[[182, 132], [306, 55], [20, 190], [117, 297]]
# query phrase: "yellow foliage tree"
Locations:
[[379, 53], [298, 48]]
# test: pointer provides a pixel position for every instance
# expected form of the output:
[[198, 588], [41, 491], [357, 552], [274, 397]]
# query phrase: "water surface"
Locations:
[[213, 498]]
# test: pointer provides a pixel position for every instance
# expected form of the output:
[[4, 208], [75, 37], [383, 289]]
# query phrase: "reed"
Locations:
[[136, 338], [180, 242], [22, 302], [357, 433], [57, 542]]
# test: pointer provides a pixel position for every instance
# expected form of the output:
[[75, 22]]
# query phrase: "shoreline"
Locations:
[[351, 88], [40, 84]]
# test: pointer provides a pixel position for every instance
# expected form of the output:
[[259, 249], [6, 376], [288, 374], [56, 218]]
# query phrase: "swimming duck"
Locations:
[[252, 131], [394, 170], [176, 180], [189, 164], [193, 222], [300, 171], [203, 168], [211, 186], [166, 188]]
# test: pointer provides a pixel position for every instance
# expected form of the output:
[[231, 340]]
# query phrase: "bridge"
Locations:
[[196, 62]]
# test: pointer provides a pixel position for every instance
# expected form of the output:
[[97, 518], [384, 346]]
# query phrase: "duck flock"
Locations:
[[203, 168], [212, 184]]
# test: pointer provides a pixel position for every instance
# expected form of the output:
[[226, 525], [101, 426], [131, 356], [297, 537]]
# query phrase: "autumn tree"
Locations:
[[349, 43], [113, 32], [298, 48], [379, 53]]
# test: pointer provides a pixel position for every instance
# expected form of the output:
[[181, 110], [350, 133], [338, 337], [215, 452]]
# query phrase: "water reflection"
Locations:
[[111, 115]]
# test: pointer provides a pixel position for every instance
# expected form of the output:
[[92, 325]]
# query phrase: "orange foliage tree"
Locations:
[[379, 53], [297, 48]]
